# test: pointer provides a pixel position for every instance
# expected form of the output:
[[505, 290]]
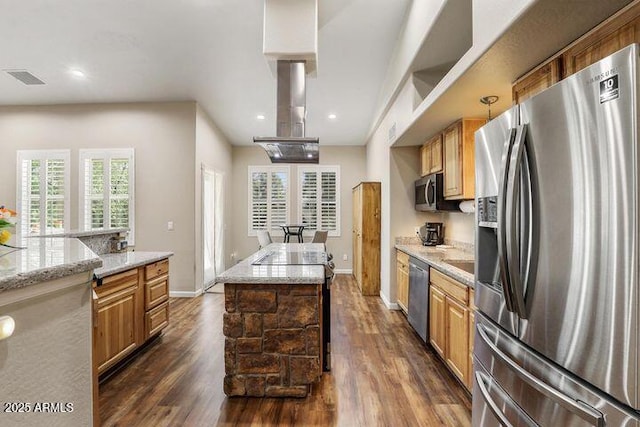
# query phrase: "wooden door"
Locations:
[[618, 31], [436, 154], [453, 160], [536, 81], [437, 329], [402, 277], [118, 318], [425, 159], [457, 344]]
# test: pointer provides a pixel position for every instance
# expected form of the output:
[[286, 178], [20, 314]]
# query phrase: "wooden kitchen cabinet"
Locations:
[[450, 327], [402, 276], [366, 237], [131, 307], [459, 159], [431, 156], [618, 31], [537, 80], [118, 318], [457, 341], [472, 334], [437, 320]]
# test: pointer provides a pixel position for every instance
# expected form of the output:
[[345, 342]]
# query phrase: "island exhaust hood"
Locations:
[[290, 145]]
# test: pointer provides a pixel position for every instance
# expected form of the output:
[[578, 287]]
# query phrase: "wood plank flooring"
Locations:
[[382, 375]]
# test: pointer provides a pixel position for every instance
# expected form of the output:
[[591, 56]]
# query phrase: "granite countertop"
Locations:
[[86, 233], [115, 263], [434, 256], [44, 259], [245, 272]]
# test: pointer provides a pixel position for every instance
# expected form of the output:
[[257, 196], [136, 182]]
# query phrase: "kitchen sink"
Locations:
[[464, 265]]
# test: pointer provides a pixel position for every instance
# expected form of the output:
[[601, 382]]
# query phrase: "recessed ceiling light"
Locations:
[[276, 155], [260, 117], [332, 116], [77, 73], [310, 155]]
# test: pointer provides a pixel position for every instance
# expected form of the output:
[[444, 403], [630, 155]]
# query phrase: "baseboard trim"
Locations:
[[343, 271], [185, 294], [390, 305]]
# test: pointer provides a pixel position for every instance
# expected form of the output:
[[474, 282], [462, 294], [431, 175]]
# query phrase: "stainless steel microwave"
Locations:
[[429, 192]]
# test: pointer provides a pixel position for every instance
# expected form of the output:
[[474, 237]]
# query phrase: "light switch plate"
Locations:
[[170, 226]]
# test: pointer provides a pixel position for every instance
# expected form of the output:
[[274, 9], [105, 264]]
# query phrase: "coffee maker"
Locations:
[[432, 234]]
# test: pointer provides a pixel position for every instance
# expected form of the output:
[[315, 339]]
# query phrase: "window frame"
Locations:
[[42, 155], [251, 232], [319, 169], [106, 154]]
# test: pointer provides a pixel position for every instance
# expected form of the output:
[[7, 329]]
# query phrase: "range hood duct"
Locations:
[[290, 145]]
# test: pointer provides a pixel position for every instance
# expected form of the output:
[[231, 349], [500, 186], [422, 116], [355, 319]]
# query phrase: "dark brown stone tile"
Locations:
[[229, 297], [304, 370], [255, 386], [285, 341], [249, 345], [234, 386], [232, 325], [258, 364], [229, 356], [313, 340], [252, 325], [256, 301], [280, 391], [298, 312]]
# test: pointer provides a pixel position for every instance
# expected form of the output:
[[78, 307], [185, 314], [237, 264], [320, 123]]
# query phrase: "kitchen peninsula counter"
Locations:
[[435, 257], [44, 259], [273, 324], [117, 262]]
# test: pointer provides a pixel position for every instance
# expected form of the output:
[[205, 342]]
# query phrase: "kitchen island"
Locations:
[[45, 292], [273, 321]]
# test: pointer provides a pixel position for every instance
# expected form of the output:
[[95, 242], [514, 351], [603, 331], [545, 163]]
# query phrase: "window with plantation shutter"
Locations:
[[107, 189], [268, 198], [43, 191], [319, 198]]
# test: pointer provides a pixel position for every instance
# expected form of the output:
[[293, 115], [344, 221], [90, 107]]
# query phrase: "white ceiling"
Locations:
[[209, 51]]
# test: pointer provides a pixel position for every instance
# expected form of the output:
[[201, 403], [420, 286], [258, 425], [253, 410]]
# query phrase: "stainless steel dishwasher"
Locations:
[[418, 314]]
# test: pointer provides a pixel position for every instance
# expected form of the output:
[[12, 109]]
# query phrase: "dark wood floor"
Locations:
[[382, 375]]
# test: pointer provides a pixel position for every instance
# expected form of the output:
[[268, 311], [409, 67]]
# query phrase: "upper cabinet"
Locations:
[[459, 159], [537, 80], [618, 31], [610, 36], [431, 155]]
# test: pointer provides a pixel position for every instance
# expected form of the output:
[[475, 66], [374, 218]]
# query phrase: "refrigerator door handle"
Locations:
[[581, 409], [482, 379], [501, 229], [513, 247]]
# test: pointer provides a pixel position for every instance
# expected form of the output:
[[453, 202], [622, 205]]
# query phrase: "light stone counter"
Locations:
[[115, 263], [246, 272], [87, 233], [43, 259], [435, 256]]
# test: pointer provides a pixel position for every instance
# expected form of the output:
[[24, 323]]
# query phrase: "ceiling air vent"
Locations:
[[25, 77]]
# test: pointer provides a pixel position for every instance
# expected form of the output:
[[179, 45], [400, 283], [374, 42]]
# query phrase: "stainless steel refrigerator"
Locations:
[[557, 254]]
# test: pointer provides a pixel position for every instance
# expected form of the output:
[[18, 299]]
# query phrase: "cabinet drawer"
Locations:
[[156, 291], [156, 320], [450, 286], [117, 282], [156, 269]]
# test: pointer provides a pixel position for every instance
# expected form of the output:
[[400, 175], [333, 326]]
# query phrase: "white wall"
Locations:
[[490, 20], [163, 136], [351, 160], [213, 152]]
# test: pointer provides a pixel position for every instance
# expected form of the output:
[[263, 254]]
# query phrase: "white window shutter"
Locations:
[[319, 198], [268, 198]]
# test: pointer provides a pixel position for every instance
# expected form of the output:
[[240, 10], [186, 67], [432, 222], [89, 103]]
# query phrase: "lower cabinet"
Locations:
[[118, 324], [402, 278], [130, 308], [450, 324]]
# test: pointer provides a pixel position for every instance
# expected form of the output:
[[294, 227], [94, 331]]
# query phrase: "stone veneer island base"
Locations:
[[272, 339]]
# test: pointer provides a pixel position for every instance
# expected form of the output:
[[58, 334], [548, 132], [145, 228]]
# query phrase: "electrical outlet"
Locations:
[[345, 257], [416, 230], [170, 226]]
